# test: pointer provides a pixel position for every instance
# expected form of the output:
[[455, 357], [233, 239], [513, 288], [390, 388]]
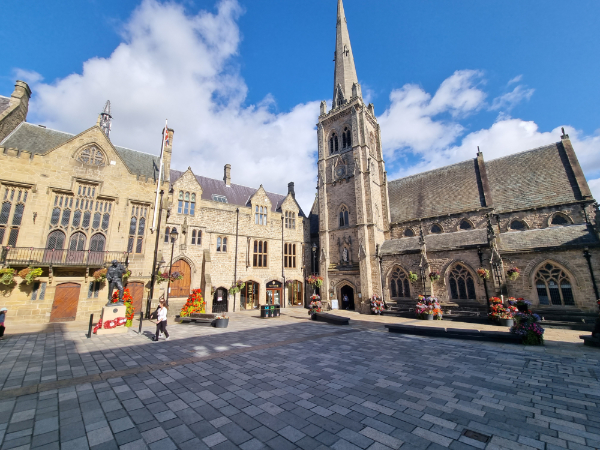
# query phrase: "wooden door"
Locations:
[[136, 289], [181, 288], [66, 298]]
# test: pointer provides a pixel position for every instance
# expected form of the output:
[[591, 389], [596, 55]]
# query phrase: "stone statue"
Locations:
[[114, 278], [345, 255]]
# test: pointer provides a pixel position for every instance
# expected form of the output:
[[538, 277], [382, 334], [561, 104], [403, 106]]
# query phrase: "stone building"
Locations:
[[70, 205], [231, 233], [532, 210]]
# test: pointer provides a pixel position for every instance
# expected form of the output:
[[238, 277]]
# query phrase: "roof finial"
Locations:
[[106, 120], [564, 135]]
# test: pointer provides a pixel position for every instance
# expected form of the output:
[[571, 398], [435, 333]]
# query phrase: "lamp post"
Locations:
[[487, 295], [174, 235], [153, 276]]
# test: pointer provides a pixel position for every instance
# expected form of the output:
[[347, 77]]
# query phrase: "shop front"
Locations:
[[274, 292]]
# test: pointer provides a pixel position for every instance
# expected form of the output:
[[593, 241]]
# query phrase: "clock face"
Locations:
[[340, 171]]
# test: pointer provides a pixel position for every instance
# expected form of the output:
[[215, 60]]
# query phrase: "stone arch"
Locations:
[[435, 226], [398, 285], [91, 154], [461, 281], [408, 232], [187, 260], [464, 224], [573, 284], [535, 264], [340, 288], [526, 225], [561, 217]]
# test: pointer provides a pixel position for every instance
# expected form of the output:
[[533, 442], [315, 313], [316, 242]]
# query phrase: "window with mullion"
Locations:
[[260, 254]]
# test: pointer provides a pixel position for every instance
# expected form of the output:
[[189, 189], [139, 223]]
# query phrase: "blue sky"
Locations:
[[241, 82]]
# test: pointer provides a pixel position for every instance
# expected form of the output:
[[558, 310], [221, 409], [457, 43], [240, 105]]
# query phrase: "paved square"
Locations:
[[292, 383]]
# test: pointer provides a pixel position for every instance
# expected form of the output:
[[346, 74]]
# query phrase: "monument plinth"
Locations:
[[112, 314]]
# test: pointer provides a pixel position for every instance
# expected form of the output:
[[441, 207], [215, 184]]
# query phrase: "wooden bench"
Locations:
[[330, 318], [456, 333], [198, 319]]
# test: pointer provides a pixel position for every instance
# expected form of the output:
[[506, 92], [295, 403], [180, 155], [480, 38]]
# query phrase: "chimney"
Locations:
[[19, 106], [291, 189], [227, 175]]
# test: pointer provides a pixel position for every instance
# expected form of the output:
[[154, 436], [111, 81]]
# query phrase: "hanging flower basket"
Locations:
[[434, 275], [513, 273], [100, 275], [175, 276], [413, 277], [162, 277], [484, 274], [30, 274], [315, 280], [126, 275], [237, 287], [7, 276]]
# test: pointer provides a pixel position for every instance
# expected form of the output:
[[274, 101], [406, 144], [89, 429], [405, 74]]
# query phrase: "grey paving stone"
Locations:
[[75, 444]]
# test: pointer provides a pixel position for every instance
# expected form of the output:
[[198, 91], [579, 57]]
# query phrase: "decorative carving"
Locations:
[[91, 156]]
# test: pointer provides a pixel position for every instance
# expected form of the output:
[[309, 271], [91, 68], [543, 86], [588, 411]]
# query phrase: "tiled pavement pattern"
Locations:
[[361, 390]]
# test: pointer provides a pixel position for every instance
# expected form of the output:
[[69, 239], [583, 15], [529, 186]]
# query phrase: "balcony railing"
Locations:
[[16, 256]]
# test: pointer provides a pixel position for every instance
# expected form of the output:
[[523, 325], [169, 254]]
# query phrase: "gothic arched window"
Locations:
[[409, 232], [399, 285], [97, 242], [347, 138], [77, 242], [56, 240], [553, 286], [436, 229], [344, 222], [333, 143], [462, 286], [560, 219], [517, 225], [465, 225]]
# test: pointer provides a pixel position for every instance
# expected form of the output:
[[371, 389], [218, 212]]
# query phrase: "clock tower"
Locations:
[[352, 186]]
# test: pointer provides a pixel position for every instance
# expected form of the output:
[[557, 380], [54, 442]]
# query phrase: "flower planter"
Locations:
[[429, 316], [313, 317], [506, 322], [220, 323], [523, 308]]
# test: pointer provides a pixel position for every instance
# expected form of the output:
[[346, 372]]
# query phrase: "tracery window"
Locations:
[[409, 232], [97, 242], [77, 242], [290, 220], [260, 215], [289, 255], [436, 229], [137, 222], [517, 225], [56, 240], [462, 286], [221, 244], [187, 203], [553, 286], [196, 237], [560, 219], [92, 156], [19, 197], [333, 143], [465, 225], [260, 254], [346, 138], [344, 222], [399, 285]]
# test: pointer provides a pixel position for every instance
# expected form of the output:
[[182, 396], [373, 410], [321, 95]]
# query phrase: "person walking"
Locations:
[[3, 312], [161, 321]]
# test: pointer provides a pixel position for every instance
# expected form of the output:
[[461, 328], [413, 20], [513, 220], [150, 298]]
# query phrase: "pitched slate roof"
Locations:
[[236, 194], [530, 179], [4, 103], [564, 236], [39, 140], [436, 242], [441, 191]]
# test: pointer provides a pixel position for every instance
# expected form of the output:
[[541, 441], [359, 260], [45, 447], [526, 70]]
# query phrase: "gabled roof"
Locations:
[[4, 103], [40, 140], [563, 236], [236, 194]]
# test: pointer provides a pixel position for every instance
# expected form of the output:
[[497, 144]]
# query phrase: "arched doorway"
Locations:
[[181, 288], [249, 295], [295, 294], [136, 289], [274, 289], [347, 300], [66, 299], [220, 301]]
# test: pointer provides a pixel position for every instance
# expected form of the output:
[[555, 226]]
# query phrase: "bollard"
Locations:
[[141, 318], [90, 327]]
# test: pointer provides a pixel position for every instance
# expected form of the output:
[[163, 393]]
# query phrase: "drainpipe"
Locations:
[[588, 256], [282, 265], [237, 227]]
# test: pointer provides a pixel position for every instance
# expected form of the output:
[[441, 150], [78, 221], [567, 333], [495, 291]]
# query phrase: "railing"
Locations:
[[16, 256]]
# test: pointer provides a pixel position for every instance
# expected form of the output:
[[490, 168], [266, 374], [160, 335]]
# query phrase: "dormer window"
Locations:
[[187, 203], [219, 198], [260, 215], [290, 220]]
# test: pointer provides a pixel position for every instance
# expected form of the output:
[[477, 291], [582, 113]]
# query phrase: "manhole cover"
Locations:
[[475, 435]]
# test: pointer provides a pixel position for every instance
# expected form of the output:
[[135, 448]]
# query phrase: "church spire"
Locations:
[[105, 119], [345, 72]]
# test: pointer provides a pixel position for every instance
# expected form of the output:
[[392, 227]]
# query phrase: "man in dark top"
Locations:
[[114, 277]]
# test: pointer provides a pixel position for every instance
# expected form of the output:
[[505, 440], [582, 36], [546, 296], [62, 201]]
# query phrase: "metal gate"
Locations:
[[219, 301]]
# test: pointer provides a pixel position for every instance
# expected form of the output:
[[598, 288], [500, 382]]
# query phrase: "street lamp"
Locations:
[[174, 235], [314, 250]]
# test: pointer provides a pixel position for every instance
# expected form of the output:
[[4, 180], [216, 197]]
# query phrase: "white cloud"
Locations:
[[595, 187], [514, 80], [29, 76], [509, 100], [181, 67]]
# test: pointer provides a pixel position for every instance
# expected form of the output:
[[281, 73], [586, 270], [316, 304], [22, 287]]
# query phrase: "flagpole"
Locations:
[[162, 152]]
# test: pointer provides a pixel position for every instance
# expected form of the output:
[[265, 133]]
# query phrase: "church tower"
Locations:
[[352, 186]]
